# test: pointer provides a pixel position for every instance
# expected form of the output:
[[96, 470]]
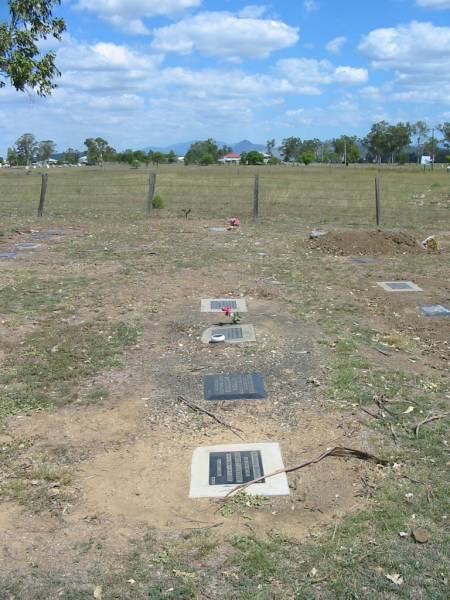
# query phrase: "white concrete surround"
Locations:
[[248, 334], [240, 306], [271, 460], [390, 286]]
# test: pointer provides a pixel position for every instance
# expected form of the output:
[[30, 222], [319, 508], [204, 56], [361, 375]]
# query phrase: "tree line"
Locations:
[[400, 143]]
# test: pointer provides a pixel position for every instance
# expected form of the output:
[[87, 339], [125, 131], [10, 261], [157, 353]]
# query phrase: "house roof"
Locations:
[[232, 155]]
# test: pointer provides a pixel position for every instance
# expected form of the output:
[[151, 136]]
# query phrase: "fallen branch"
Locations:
[[338, 451], [212, 415], [429, 419], [394, 435], [371, 414]]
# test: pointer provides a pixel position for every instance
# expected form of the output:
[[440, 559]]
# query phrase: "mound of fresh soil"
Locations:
[[371, 243]]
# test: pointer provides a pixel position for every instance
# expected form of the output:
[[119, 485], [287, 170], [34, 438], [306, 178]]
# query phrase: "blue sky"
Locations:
[[156, 72]]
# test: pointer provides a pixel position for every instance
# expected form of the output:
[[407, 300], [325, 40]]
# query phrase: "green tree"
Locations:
[[70, 156], [252, 158], [45, 150], [171, 157], [376, 140], [346, 147], [420, 131], [99, 151], [445, 130], [398, 138], [11, 157], [22, 64], [158, 157], [204, 153], [290, 148], [26, 148], [314, 146], [307, 157], [270, 146]]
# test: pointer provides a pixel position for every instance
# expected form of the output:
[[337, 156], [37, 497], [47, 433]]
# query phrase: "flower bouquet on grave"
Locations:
[[234, 222], [234, 316]]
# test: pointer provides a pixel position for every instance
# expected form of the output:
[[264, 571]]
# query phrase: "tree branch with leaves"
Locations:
[[22, 63]]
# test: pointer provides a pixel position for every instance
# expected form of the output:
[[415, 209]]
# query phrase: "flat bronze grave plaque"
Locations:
[[434, 310], [234, 386], [216, 470], [215, 305], [27, 246], [363, 260], [227, 468], [399, 286], [230, 333], [234, 334]]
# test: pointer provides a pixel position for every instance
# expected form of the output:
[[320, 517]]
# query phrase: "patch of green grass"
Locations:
[[44, 370], [34, 295]]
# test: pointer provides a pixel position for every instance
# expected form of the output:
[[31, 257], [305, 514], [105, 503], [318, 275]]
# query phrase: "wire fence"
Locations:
[[313, 196]]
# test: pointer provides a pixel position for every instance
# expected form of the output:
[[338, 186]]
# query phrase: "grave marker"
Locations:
[[399, 286], [363, 260], [27, 246], [215, 470], [8, 255], [226, 468], [215, 305], [434, 310], [234, 334], [234, 386]]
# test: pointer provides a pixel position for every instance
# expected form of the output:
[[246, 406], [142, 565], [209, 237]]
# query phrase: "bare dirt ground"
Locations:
[[129, 452]]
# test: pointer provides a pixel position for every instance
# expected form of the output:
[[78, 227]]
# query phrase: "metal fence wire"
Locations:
[[410, 198]]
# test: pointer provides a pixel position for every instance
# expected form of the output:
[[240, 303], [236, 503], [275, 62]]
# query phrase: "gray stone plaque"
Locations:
[[27, 246], [234, 386], [226, 468], [215, 305], [434, 310], [234, 334], [363, 260], [8, 255], [399, 286], [217, 229], [231, 333], [219, 304]]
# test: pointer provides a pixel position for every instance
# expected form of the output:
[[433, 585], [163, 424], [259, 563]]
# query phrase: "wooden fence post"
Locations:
[[151, 192], [256, 199], [378, 200], [43, 193]]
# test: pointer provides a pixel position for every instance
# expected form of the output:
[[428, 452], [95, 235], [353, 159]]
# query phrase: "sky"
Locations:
[[155, 72]]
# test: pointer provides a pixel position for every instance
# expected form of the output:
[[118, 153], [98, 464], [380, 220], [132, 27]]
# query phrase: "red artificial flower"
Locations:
[[227, 310]]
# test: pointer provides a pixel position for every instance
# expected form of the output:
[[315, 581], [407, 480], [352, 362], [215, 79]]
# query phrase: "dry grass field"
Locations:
[[100, 329]]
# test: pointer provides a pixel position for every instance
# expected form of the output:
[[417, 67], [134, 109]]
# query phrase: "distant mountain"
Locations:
[[181, 148], [247, 146]]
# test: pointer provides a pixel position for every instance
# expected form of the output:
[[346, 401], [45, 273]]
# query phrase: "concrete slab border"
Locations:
[[412, 287], [271, 460]]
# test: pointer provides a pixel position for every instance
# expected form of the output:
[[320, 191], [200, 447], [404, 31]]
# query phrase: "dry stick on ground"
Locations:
[[338, 451], [429, 419], [212, 415]]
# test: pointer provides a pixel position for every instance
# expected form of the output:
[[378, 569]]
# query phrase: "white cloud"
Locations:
[[308, 75], [416, 47], [226, 36], [127, 15], [310, 5], [434, 4], [419, 55], [252, 11], [334, 46], [350, 75]]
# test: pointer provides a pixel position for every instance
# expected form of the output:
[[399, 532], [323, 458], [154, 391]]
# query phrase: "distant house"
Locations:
[[231, 159], [83, 160]]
